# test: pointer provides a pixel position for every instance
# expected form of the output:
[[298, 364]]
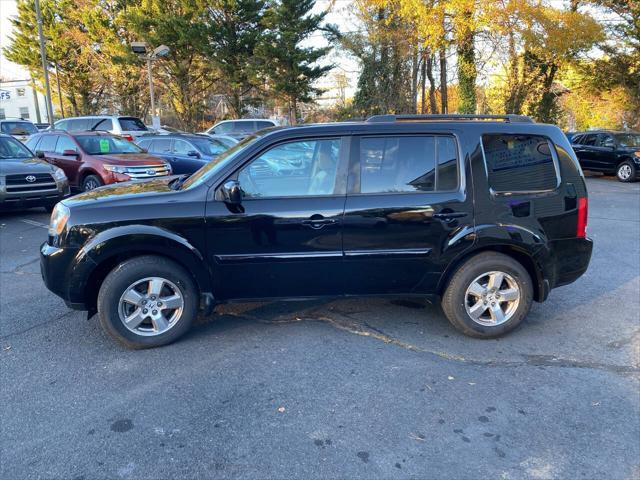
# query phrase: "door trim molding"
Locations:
[[253, 257]]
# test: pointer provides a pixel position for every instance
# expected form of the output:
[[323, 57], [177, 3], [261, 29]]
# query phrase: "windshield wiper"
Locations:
[[176, 183]]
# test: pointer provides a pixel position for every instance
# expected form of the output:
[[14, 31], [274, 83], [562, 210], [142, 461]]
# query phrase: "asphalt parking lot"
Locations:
[[375, 388]]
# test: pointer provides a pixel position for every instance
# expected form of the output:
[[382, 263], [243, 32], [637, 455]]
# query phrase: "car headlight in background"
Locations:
[[59, 175], [59, 218], [115, 168]]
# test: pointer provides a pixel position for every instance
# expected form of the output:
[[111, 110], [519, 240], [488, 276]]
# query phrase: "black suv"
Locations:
[[487, 214], [612, 153]]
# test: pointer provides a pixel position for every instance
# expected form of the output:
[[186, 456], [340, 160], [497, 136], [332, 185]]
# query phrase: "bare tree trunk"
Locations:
[[432, 84], [443, 81], [425, 56], [415, 68]]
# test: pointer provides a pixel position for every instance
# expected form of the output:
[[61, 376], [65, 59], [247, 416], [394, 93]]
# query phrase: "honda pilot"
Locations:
[[484, 213]]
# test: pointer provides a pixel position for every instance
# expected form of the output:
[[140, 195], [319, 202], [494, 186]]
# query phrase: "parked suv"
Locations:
[[240, 128], [612, 153], [485, 215], [186, 153], [128, 128], [26, 181], [17, 128], [93, 159]]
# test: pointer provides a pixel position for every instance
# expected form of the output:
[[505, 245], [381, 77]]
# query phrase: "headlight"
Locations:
[[59, 218], [58, 174], [115, 168]]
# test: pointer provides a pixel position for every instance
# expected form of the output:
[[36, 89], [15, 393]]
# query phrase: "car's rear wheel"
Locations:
[[488, 296], [91, 182], [147, 302], [626, 172]]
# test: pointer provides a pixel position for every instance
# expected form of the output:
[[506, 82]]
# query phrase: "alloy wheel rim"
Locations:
[[492, 298], [151, 306], [624, 172], [90, 185]]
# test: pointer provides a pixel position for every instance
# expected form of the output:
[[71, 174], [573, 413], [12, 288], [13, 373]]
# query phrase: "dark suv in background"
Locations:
[[486, 214], [609, 152]]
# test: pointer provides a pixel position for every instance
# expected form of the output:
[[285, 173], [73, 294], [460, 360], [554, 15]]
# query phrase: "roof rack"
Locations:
[[438, 117]]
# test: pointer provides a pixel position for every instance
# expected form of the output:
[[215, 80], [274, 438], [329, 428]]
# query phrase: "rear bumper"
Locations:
[[571, 259]]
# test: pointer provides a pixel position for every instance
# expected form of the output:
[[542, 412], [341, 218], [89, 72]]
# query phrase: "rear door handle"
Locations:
[[318, 223]]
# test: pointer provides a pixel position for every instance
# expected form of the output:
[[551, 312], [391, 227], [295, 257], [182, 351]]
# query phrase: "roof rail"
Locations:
[[437, 117]]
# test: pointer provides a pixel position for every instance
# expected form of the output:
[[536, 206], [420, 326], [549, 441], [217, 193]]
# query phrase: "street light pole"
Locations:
[[153, 102], [43, 56]]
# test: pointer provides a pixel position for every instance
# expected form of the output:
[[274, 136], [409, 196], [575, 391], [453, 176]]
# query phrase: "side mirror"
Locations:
[[231, 193], [39, 154], [193, 153], [70, 153]]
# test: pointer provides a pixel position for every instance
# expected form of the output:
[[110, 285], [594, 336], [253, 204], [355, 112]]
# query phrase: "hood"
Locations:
[[131, 159], [124, 191], [24, 165]]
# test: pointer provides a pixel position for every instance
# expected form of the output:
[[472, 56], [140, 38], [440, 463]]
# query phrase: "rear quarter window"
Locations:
[[520, 163], [132, 124]]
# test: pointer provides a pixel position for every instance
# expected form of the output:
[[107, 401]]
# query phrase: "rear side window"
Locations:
[[132, 124], [408, 164], [520, 163], [48, 143], [104, 125], [243, 127], [161, 145], [80, 124], [589, 140]]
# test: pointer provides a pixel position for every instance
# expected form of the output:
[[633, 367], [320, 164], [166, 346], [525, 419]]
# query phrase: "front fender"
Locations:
[[133, 240]]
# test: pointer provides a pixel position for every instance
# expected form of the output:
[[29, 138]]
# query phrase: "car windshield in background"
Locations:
[[103, 145], [628, 139], [218, 162], [11, 148], [132, 124], [209, 147], [18, 128]]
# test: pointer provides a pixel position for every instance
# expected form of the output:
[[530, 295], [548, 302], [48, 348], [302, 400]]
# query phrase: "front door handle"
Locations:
[[448, 217], [318, 223]]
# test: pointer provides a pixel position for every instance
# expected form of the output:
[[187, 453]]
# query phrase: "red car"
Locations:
[[93, 159]]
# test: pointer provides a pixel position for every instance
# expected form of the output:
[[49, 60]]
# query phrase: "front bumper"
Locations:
[[64, 274], [13, 201]]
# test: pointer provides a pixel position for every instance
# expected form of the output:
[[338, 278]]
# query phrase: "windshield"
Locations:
[[628, 139], [18, 128], [106, 145], [218, 162], [11, 148]]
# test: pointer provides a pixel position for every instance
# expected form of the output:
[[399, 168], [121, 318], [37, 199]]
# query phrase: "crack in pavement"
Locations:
[[32, 327], [18, 269], [366, 330]]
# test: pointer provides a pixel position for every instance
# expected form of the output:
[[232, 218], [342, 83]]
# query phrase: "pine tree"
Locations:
[[291, 68]]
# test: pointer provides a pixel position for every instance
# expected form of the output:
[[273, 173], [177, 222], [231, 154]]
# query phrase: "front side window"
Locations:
[[210, 146], [104, 125], [589, 140], [401, 164], [32, 143], [65, 143], [302, 168], [11, 148], [628, 139], [605, 140], [106, 145], [80, 124], [243, 127], [223, 128], [519, 163], [180, 147]]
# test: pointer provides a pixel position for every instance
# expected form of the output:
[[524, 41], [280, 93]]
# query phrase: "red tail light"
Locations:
[[126, 136], [583, 207]]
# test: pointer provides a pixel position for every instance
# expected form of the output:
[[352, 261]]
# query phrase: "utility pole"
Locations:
[[155, 123], [43, 55]]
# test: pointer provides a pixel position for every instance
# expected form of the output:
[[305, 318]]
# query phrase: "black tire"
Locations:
[[455, 298], [626, 172], [127, 273], [91, 182]]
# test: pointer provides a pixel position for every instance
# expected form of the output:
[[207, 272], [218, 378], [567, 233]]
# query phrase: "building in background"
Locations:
[[19, 99]]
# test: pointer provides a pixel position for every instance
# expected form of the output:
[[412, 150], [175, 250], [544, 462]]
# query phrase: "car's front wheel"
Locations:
[[489, 295], [626, 172], [91, 182], [147, 302]]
